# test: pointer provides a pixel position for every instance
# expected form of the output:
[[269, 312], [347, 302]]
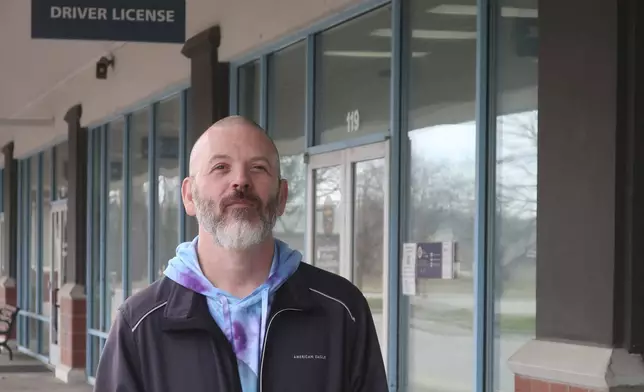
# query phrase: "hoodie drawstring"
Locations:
[[264, 316]]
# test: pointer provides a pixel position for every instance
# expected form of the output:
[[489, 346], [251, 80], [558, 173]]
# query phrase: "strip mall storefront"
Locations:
[[466, 164]]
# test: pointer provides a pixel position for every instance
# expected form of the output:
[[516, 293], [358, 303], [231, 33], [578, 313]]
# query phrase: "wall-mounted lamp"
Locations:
[[102, 65]]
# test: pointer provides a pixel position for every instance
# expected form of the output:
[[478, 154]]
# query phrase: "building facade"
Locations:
[[473, 167]]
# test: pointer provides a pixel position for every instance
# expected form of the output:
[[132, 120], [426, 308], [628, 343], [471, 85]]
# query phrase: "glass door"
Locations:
[[59, 246], [348, 193]]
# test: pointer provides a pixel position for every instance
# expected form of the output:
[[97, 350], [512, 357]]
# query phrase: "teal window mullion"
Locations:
[[485, 198], [234, 90], [28, 233], [1, 190], [23, 243], [152, 193], [27, 245], [127, 191], [89, 272], [263, 91], [310, 92], [103, 227], [53, 193], [39, 248], [39, 241], [20, 262], [396, 193], [183, 161]]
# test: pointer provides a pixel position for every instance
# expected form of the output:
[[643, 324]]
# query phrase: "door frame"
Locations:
[[346, 158], [57, 264]]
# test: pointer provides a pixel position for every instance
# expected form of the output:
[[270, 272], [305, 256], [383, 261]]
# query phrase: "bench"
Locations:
[[8, 317]]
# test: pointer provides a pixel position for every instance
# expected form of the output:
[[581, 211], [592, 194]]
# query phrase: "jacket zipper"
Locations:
[[268, 328], [236, 376]]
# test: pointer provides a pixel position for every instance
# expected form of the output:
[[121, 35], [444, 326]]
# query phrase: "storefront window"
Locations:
[[249, 91], [352, 73], [125, 207], [438, 300], [168, 129], [22, 261], [114, 216], [516, 183], [47, 249], [286, 123], [95, 194], [62, 163], [33, 239], [32, 329], [139, 200]]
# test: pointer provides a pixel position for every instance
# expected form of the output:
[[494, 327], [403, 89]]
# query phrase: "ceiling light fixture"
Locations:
[[367, 54], [470, 10], [431, 34]]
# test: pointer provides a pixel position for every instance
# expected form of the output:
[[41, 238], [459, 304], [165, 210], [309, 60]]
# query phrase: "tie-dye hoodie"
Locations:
[[243, 321]]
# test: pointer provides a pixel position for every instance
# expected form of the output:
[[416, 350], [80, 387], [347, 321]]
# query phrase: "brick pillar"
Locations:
[[589, 268], [209, 91], [8, 258], [8, 295], [543, 366], [73, 309], [73, 333]]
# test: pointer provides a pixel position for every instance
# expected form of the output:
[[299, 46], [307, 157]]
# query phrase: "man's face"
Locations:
[[236, 193]]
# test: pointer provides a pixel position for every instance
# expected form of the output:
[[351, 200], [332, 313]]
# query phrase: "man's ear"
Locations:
[[186, 195], [282, 197]]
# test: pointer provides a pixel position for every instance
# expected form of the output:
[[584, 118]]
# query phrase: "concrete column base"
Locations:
[[73, 332], [542, 366], [70, 375]]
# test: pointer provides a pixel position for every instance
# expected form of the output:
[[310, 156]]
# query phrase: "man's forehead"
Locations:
[[233, 137], [238, 139]]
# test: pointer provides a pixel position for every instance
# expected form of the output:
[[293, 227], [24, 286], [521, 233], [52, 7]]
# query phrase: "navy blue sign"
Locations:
[[110, 20], [429, 260]]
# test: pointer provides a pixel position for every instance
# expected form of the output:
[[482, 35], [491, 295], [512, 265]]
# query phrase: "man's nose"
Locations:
[[242, 180]]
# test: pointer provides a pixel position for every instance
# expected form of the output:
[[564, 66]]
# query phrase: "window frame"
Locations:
[[484, 256], [100, 131]]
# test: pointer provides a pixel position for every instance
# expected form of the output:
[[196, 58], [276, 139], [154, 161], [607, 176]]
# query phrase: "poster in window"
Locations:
[[435, 260]]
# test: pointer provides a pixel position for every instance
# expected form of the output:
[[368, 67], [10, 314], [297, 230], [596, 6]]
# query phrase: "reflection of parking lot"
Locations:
[[446, 363], [441, 341]]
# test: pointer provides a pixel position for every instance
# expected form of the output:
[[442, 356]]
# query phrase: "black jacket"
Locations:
[[320, 337]]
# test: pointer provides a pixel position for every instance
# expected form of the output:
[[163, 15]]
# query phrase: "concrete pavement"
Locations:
[[25, 374]]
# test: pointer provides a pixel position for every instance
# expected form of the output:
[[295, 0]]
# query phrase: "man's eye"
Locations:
[[258, 167], [218, 167]]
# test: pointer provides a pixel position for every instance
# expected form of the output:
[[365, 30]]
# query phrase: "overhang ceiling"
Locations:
[[30, 68]]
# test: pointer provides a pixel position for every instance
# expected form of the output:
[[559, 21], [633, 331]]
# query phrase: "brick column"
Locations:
[[590, 223], [8, 295], [73, 308], [208, 92], [73, 331], [8, 258]]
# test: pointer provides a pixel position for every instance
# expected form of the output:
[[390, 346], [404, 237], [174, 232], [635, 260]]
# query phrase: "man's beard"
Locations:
[[233, 227]]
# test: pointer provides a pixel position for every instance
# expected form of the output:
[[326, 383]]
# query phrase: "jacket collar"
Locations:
[[188, 310]]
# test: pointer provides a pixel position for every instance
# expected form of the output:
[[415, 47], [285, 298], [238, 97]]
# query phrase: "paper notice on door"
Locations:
[[409, 269]]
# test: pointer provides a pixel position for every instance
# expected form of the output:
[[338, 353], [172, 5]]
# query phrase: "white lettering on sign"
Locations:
[[82, 13], [121, 14], [353, 121], [141, 15]]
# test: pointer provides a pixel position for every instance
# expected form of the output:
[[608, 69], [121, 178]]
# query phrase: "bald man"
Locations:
[[237, 309]]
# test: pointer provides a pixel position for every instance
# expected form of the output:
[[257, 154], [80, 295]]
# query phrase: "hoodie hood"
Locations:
[[243, 320]]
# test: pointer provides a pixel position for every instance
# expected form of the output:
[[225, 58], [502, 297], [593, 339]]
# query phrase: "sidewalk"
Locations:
[[25, 374]]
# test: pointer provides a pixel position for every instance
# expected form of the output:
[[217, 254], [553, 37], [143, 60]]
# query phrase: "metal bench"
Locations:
[[8, 317]]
